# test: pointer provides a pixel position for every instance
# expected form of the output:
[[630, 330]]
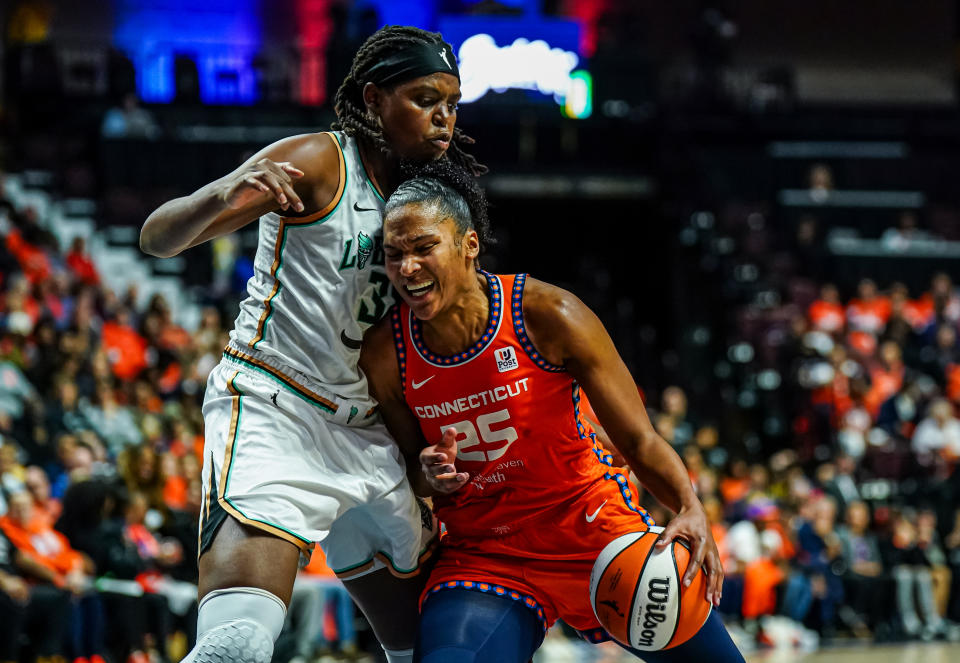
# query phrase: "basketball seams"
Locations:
[[638, 588], [595, 590]]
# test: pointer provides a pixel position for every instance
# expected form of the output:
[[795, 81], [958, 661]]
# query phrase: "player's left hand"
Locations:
[[692, 526], [437, 463]]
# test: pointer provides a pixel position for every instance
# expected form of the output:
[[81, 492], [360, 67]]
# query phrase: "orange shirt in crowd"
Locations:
[[836, 394], [175, 492], [826, 316], [84, 269], [919, 312], [126, 349], [33, 261], [733, 489], [884, 383], [869, 315], [43, 544], [760, 580]]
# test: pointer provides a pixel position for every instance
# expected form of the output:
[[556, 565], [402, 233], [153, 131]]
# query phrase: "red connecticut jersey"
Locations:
[[519, 430]]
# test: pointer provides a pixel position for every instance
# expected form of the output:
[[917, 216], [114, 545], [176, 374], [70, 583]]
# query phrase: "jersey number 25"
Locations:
[[489, 444]]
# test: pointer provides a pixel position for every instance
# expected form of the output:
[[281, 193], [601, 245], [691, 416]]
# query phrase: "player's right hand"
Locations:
[[264, 178], [437, 463]]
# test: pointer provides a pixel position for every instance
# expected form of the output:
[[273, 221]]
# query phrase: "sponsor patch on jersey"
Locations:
[[506, 359]]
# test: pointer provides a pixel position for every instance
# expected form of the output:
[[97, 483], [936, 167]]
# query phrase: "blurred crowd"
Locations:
[[100, 460], [830, 473]]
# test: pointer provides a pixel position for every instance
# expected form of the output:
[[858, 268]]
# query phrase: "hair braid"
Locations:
[[352, 116]]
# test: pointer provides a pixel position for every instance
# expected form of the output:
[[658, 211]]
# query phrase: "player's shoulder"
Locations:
[[313, 152], [545, 304], [380, 334]]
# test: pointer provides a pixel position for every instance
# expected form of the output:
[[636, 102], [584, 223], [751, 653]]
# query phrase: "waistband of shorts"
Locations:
[[344, 411]]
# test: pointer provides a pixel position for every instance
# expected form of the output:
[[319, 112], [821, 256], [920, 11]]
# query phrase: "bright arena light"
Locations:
[[523, 65]]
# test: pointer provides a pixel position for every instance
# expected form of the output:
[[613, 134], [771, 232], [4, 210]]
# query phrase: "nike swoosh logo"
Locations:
[[349, 342], [365, 209], [417, 385], [593, 516]]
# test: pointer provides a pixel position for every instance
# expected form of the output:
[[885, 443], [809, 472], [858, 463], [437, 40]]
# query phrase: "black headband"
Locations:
[[413, 62]]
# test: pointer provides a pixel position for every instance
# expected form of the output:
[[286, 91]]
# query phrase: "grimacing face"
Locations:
[[427, 261], [417, 117]]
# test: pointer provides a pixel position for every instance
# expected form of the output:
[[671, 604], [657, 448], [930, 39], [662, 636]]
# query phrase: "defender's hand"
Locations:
[[692, 526], [264, 178], [437, 463]]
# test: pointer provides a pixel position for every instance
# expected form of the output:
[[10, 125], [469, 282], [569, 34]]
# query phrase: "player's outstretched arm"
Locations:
[[568, 333], [430, 468], [299, 174]]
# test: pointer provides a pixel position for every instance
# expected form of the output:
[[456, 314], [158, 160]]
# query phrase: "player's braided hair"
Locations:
[[452, 189], [352, 116]]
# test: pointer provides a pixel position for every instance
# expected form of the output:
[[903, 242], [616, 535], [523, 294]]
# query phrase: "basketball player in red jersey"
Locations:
[[294, 452], [489, 368]]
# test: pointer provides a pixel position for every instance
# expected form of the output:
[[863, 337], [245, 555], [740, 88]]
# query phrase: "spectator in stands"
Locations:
[[141, 472], [842, 486], [941, 360], [675, 406], [886, 377], [928, 541], [939, 432], [46, 556], [826, 313], [38, 486], [112, 422], [38, 611], [707, 438], [907, 231], [159, 555], [80, 263], [944, 299], [818, 547], [863, 580], [869, 310], [19, 400], [90, 523], [820, 182], [914, 583], [12, 472]]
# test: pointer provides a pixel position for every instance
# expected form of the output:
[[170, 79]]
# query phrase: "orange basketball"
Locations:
[[636, 594]]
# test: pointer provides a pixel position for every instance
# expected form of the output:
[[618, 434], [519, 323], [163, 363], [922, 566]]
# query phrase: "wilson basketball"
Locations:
[[636, 594]]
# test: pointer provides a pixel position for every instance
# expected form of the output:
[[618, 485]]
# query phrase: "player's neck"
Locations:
[[459, 326], [383, 170]]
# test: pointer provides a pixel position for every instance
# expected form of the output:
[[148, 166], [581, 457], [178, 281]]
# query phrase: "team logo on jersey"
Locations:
[[364, 249], [506, 359], [369, 250]]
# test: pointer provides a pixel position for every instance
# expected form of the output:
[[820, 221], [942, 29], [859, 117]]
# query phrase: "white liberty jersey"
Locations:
[[318, 284]]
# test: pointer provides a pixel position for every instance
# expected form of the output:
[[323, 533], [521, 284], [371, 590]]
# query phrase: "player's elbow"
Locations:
[[151, 243]]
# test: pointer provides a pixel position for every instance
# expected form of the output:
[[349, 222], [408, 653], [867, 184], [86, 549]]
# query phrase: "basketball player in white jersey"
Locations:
[[295, 451]]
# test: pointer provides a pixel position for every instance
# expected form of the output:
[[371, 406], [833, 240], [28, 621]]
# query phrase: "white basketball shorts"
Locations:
[[277, 461]]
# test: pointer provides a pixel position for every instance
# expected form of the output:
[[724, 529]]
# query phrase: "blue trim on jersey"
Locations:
[[497, 590], [604, 458], [493, 322], [400, 345], [595, 635], [521, 331]]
